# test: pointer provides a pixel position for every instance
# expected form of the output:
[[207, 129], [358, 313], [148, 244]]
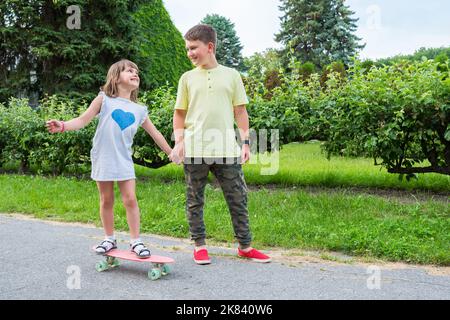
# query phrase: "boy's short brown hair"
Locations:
[[203, 32]]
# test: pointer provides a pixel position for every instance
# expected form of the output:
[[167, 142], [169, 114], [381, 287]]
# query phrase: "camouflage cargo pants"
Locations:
[[231, 180]]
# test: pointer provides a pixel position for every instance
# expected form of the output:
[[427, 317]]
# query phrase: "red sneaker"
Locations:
[[201, 256], [254, 255]]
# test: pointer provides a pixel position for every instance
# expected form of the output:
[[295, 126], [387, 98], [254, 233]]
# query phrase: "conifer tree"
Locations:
[[229, 48], [320, 31]]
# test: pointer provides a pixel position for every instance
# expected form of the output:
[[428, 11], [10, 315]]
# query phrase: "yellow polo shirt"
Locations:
[[209, 96]]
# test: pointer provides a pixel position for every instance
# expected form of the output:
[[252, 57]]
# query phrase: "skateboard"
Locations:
[[159, 268]]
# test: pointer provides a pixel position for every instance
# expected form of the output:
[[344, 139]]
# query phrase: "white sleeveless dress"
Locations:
[[119, 119]]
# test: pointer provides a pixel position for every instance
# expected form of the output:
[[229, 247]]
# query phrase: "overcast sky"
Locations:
[[388, 27]]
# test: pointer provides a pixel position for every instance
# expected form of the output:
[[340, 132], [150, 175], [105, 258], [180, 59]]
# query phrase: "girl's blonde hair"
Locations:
[[110, 87]]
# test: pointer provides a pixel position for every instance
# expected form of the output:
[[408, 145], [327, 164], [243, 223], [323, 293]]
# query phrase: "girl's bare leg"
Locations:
[[128, 192], [106, 190]]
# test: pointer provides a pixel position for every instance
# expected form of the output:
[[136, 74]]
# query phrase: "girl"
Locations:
[[119, 118]]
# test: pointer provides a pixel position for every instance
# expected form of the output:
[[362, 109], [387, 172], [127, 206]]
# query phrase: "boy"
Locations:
[[209, 99]]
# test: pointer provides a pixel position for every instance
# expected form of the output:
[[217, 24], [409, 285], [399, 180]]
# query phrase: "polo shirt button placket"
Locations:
[[209, 79]]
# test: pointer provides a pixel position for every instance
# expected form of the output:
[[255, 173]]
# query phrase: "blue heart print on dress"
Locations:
[[123, 119]]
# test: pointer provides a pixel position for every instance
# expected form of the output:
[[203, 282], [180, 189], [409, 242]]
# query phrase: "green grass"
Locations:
[[343, 220], [306, 165], [354, 224]]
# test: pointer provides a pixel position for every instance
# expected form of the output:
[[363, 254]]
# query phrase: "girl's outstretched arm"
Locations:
[[55, 126], [156, 136]]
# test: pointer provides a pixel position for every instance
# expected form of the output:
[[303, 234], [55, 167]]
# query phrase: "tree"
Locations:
[[229, 48], [343, 44], [258, 67], [259, 64], [40, 53], [320, 31], [162, 54]]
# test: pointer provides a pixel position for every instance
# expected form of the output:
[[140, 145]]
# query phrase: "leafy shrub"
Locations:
[[283, 112], [399, 114], [26, 143], [160, 103]]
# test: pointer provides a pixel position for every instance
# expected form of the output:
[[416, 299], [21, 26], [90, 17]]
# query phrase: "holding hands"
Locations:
[[177, 154]]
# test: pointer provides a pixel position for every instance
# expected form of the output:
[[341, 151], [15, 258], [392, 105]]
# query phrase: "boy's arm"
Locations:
[[181, 106], [241, 117], [179, 118], [77, 123], [156, 136]]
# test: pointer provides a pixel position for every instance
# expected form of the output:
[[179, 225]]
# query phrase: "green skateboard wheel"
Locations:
[[154, 274], [165, 269], [101, 266], [112, 262]]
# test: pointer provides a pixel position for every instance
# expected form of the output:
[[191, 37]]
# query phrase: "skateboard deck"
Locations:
[[159, 264]]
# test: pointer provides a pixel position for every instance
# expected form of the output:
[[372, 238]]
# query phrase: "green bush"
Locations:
[[336, 68], [160, 104], [26, 146], [283, 112], [306, 70], [399, 114], [27, 143], [162, 56]]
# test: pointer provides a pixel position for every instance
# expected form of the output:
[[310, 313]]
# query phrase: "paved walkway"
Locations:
[[48, 260]]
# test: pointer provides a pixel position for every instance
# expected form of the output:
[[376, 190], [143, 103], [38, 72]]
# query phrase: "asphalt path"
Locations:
[[51, 260]]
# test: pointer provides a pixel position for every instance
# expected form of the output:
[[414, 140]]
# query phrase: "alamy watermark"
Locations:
[[374, 17], [73, 282], [374, 280], [73, 22], [215, 144]]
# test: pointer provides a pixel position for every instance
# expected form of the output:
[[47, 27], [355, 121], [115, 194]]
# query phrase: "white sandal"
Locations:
[[106, 246], [140, 249]]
